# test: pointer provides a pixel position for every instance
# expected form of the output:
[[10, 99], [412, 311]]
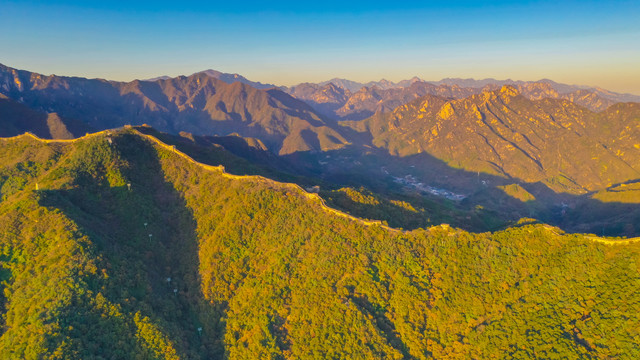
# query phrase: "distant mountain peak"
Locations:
[[383, 84], [509, 90], [350, 85], [231, 78], [226, 77], [163, 77]]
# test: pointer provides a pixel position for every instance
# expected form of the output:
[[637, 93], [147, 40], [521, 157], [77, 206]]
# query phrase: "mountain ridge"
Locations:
[[199, 104], [239, 268], [226, 77], [532, 144], [493, 111], [220, 169], [369, 100]]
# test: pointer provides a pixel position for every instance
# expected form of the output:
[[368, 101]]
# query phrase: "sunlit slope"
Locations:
[[245, 268], [342, 100], [556, 142]]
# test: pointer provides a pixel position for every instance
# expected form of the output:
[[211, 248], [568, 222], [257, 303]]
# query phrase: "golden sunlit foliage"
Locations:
[[129, 251]]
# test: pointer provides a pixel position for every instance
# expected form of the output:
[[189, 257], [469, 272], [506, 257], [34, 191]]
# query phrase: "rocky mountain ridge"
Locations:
[[368, 100], [200, 103], [503, 132]]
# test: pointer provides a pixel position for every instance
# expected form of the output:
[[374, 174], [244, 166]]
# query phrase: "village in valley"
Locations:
[[410, 181]]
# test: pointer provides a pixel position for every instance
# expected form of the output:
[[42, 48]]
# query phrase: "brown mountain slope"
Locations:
[[199, 103], [504, 133], [324, 98], [619, 128]]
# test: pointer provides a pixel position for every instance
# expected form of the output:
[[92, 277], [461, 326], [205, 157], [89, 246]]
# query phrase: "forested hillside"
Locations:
[[117, 247]]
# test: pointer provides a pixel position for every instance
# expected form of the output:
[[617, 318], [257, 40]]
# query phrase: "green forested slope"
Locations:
[[265, 272]]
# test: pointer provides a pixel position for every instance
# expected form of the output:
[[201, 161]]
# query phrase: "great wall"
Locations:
[[295, 187], [221, 170]]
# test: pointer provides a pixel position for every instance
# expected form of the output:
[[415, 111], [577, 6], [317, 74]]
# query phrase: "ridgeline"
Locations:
[[116, 245]]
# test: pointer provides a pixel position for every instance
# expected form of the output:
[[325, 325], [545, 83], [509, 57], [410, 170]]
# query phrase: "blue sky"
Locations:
[[579, 42]]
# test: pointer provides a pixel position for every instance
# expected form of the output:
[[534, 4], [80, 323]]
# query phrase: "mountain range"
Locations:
[[509, 135], [200, 104], [537, 149], [201, 217], [384, 84], [337, 100]]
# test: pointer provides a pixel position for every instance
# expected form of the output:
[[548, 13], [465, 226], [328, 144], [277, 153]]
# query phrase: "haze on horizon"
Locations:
[[593, 43]]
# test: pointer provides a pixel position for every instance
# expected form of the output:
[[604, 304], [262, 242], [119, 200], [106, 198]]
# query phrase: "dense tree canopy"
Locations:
[[128, 250]]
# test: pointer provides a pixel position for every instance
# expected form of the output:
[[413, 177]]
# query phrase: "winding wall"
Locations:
[[295, 187]]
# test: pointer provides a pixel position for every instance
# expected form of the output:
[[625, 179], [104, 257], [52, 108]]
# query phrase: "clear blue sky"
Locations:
[[286, 42]]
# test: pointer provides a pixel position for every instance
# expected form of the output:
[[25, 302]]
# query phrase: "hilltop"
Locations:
[[128, 249]]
